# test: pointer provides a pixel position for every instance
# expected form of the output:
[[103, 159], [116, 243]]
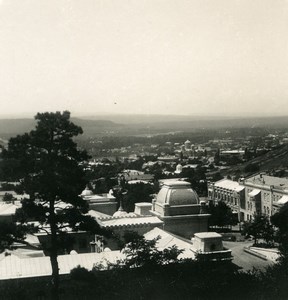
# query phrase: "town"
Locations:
[[207, 196]]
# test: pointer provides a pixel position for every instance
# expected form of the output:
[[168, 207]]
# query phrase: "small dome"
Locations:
[[177, 193], [179, 169], [87, 192], [120, 212]]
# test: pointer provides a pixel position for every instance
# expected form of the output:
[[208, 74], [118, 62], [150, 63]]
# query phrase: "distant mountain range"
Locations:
[[133, 124]]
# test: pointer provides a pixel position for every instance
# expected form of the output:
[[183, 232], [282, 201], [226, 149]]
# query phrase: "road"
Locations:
[[243, 259]]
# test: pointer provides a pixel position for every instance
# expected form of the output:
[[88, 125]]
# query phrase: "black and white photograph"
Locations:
[[144, 149]]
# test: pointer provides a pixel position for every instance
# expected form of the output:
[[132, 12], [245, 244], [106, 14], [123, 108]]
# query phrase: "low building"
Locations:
[[209, 246], [105, 203], [128, 175]]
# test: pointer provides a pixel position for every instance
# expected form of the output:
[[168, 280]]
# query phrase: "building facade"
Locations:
[[256, 194]]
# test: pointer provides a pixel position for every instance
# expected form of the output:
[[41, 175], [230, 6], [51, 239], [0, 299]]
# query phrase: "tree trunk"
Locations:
[[54, 254], [55, 275]]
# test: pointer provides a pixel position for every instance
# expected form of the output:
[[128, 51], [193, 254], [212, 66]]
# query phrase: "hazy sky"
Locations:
[[225, 57]]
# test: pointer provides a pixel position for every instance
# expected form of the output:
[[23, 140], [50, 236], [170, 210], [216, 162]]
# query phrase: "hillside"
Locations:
[[272, 160], [12, 127]]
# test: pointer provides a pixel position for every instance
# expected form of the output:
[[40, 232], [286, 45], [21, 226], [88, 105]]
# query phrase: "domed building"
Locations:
[[187, 145], [178, 206]]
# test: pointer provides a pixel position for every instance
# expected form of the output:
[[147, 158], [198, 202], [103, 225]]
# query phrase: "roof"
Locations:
[[168, 240], [229, 185], [177, 193], [283, 200], [208, 235], [143, 204], [138, 181], [97, 214], [132, 172], [127, 221], [266, 180], [12, 266], [254, 193], [13, 193], [8, 209]]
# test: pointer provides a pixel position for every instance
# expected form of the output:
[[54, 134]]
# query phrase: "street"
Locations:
[[243, 259]]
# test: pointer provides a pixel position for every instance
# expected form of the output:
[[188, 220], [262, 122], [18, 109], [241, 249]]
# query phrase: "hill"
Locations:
[[273, 160], [12, 127], [147, 124]]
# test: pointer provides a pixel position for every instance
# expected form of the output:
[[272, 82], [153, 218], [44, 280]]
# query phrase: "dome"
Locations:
[[120, 212], [177, 193], [87, 192], [179, 169]]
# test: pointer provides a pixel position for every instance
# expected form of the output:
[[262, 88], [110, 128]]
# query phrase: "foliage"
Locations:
[[48, 163], [138, 192], [80, 273], [197, 178], [251, 168], [8, 197], [6, 186], [186, 280], [280, 220], [259, 227], [144, 253], [10, 233], [221, 215]]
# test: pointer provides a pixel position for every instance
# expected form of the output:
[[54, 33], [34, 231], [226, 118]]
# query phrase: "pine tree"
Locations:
[[48, 159]]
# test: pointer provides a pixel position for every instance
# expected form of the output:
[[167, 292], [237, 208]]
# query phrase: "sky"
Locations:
[[184, 57]]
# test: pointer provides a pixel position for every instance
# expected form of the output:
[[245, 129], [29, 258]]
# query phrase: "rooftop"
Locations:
[[129, 220], [7, 209], [12, 266], [168, 240], [267, 180], [229, 185], [208, 235], [177, 193]]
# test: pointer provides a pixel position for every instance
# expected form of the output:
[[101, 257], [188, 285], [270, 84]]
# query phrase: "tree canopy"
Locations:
[[221, 215], [144, 253], [280, 220], [259, 227], [48, 166]]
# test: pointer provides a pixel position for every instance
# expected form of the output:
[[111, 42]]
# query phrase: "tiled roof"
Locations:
[[129, 221]]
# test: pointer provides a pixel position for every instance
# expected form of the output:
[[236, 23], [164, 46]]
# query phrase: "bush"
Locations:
[[81, 274]]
